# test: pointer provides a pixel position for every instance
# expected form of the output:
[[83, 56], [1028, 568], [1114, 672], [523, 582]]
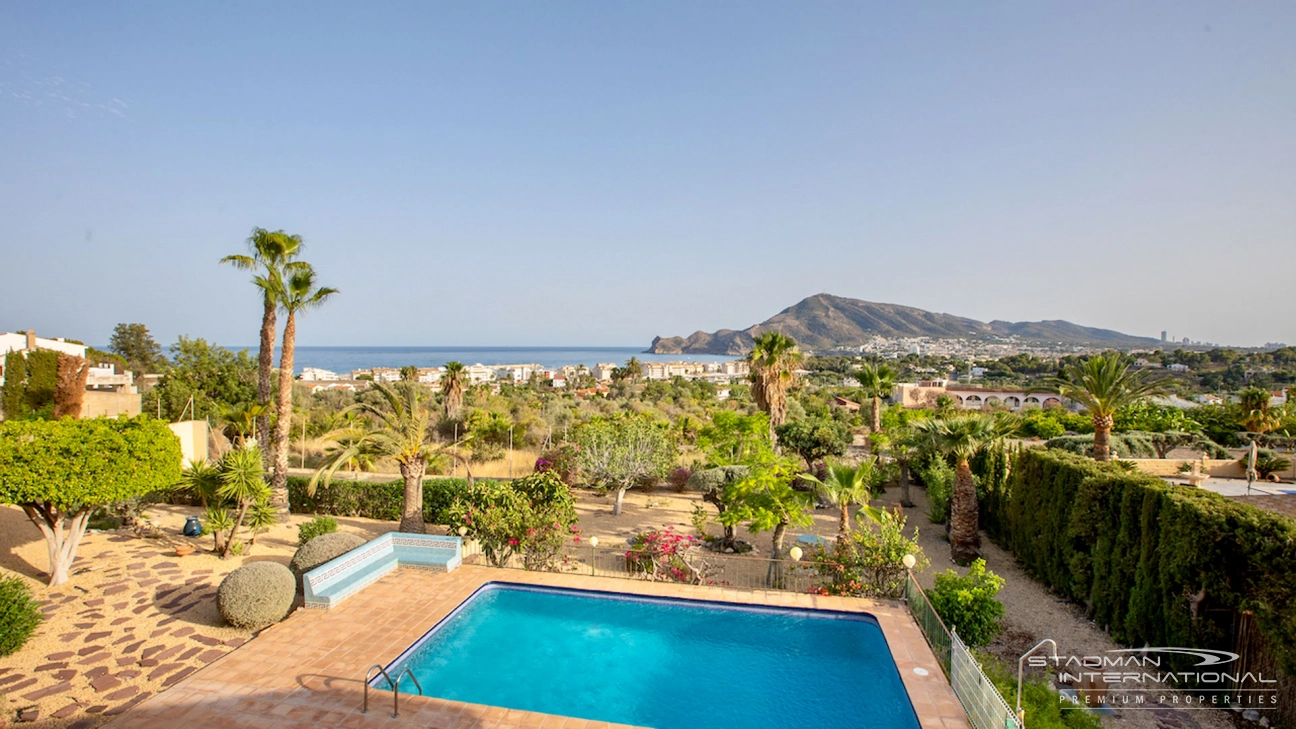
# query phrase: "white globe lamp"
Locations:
[[795, 553], [909, 561]]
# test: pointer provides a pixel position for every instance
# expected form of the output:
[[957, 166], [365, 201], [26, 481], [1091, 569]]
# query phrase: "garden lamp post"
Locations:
[[908, 561], [593, 542]]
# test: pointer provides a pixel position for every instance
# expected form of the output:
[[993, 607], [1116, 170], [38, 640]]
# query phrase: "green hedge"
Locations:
[[385, 501], [1156, 563]]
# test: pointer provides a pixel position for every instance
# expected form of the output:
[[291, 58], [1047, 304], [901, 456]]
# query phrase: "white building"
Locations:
[[603, 371], [517, 372], [315, 374], [19, 342], [110, 389], [479, 373]]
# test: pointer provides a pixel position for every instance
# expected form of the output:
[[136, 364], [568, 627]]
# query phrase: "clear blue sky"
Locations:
[[601, 172]]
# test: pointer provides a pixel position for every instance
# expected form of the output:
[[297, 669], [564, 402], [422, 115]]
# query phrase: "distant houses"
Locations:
[[720, 373]]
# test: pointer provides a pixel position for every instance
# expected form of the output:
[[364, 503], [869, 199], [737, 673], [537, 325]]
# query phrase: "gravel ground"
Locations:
[[1033, 613]]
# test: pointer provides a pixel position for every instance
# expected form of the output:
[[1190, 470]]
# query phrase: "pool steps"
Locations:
[[339, 578]]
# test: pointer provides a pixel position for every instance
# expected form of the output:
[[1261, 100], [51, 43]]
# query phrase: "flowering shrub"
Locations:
[[531, 517], [871, 565], [659, 555], [560, 461]]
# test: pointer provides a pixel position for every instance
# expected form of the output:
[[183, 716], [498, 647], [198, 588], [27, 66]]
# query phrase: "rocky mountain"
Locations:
[[823, 321]]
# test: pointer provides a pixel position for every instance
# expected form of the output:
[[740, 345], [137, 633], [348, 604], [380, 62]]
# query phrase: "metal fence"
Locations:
[[985, 706]]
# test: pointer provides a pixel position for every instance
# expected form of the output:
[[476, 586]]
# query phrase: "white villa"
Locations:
[[969, 397]]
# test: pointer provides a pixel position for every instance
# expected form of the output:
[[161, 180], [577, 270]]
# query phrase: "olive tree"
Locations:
[[60, 471], [814, 439], [617, 454]]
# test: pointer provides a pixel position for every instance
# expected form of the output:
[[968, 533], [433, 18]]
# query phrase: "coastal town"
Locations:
[[591, 365]]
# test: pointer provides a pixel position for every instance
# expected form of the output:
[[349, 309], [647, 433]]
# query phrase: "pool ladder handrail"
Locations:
[[369, 676]]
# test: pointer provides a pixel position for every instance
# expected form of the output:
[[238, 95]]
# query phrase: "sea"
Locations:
[[344, 359]]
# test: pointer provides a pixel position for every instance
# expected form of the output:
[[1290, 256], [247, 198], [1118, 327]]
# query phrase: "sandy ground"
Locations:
[[131, 602]]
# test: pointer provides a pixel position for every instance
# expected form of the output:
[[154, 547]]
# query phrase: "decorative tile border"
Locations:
[[446, 553]]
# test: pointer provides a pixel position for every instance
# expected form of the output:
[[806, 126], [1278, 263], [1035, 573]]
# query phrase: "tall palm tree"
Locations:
[[774, 360], [844, 486], [1104, 384], [399, 429], [452, 387], [877, 381], [272, 253], [960, 437], [902, 450], [298, 292]]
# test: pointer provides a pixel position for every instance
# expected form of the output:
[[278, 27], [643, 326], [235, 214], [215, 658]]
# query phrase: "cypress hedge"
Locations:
[[1156, 563], [382, 500]]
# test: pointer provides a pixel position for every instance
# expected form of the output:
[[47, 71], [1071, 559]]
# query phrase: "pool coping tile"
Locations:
[[307, 670]]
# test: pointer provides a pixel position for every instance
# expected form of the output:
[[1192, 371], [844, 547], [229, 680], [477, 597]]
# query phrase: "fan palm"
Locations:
[[400, 429], [452, 387], [959, 437], [241, 419], [272, 254], [201, 479], [296, 293], [1104, 384], [1256, 410], [844, 486], [877, 382], [774, 360]]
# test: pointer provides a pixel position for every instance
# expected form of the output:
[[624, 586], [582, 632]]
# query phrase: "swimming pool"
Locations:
[[659, 662]]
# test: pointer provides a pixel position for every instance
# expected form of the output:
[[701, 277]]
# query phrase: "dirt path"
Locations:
[[1032, 613]]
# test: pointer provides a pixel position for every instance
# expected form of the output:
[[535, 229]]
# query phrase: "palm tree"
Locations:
[[960, 437], [297, 293], [400, 430], [774, 359], [1256, 410], [843, 486], [877, 382], [1104, 384], [903, 449], [633, 369], [272, 255], [241, 420], [452, 386], [242, 479]]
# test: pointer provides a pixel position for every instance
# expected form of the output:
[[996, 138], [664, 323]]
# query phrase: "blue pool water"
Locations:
[[667, 664]]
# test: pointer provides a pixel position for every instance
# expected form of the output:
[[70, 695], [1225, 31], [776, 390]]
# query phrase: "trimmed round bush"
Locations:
[[256, 595], [19, 615], [320, 550]]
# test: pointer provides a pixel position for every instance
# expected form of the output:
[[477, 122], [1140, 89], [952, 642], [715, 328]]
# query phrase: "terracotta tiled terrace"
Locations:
[[306, 671]]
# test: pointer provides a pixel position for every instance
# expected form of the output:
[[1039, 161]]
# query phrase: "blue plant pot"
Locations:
[[192, 528]]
